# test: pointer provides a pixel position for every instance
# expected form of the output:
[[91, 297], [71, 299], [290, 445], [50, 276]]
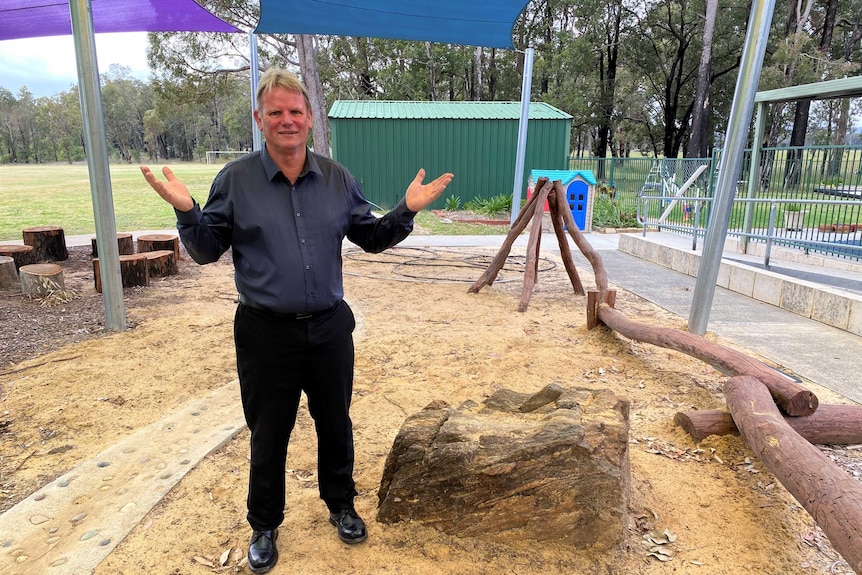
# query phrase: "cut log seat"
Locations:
[[22, 255], [161, 263], [134, 270], [156, 242], [49, 243], [41, 279], [125, 244], [8, 272]]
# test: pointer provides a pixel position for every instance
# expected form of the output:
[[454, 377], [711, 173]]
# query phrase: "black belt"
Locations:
[[243, 300]]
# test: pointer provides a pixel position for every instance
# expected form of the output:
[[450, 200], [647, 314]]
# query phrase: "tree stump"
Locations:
[[8, 272], [161, 263], [41, 279], [134, 271], [22, 255], [156, 242], [125, 244], [49, 243], [551, 466]]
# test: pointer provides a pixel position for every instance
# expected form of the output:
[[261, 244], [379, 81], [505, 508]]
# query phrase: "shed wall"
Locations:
[[385, 153]]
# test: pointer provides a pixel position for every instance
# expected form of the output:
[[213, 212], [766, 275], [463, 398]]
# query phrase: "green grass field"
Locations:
[[59, 195]]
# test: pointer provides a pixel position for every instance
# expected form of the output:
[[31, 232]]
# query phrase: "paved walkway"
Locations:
[[71, 524]]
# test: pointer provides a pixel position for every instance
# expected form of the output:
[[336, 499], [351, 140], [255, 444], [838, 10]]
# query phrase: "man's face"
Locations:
[[284, 120]]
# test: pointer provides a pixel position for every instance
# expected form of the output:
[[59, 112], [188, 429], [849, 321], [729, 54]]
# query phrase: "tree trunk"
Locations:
[[701, 141], [161, 263], [829, 425], [125, 245], [828, 493], [308, 67]]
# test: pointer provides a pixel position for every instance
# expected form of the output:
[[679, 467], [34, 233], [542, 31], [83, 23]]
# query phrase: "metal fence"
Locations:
[[808, 198]]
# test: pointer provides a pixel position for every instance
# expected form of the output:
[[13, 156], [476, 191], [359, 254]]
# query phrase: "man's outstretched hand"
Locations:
[[172, 191], [419, 196]]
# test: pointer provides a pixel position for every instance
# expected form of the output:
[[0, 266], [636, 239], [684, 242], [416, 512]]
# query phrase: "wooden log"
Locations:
[[134, 271], [829, 425], [22, 255], [161, 263], [156, 242], [584, 246], [792, 398], [490, 273], [565, 250], [8, 272], [41, 279], [125, 245], [829, 494], [49, 243], [531, 269]]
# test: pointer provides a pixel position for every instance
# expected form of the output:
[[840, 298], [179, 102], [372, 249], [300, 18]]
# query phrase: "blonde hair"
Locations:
[[280, 78]]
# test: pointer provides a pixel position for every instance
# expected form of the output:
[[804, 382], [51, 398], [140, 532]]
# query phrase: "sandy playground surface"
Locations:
[[68, 391]]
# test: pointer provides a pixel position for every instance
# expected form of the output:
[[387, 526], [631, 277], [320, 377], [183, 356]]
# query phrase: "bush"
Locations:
[[607, 214], [494, 206], [453, 203]]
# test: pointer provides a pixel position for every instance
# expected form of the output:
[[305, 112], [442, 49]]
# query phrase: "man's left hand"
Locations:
[[419, 196]]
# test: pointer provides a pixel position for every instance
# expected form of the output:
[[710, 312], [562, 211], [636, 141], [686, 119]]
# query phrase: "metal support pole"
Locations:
[[526, 87], [756, 36], [253, 75], [97, 163]]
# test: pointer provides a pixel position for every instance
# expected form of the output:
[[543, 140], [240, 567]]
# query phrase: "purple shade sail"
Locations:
[[37, 18]]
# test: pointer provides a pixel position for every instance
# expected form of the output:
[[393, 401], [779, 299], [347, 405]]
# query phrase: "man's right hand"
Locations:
[[172, 191]]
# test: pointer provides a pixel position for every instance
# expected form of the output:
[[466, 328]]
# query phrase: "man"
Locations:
[[284, 211]]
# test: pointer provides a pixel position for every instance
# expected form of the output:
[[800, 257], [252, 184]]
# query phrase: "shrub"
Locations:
[[607, 214], [453, 203]]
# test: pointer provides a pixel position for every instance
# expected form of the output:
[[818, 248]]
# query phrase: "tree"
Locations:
[[700, 142]]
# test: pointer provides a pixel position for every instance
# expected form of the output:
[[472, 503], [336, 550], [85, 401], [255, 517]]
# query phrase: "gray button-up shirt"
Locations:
[[286, 237]]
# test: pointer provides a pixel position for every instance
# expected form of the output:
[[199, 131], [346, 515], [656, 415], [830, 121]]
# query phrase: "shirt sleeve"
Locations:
[[374, 234], [206, 233]]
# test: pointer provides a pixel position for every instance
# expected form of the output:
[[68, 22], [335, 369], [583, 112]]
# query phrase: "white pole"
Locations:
[[741, 110], [97, 163], [526, 87]]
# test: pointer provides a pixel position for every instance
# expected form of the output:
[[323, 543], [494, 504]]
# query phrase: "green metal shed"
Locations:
[[384, 143]]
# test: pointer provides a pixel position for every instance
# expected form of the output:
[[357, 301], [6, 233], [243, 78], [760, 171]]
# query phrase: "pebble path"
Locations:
[[71, 524]]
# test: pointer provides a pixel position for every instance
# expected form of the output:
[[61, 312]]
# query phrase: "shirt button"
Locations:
[[297, 214], [302, 241], [308, 267]]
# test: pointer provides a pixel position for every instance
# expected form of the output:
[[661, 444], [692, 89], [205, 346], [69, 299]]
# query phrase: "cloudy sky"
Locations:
[[47, 65]]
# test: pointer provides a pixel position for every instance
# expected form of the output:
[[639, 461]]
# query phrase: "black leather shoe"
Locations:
[[262, 553], [351, 527]]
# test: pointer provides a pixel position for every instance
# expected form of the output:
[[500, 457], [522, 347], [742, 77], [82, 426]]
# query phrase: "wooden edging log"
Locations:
[[591, 254], [531, 268], [829, 425], [791, 398], [554, 203], [829, 494]]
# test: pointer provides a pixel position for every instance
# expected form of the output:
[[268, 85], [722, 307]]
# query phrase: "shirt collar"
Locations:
[[272, 170]]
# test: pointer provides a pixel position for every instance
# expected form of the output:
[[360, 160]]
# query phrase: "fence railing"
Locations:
[[804, 198]]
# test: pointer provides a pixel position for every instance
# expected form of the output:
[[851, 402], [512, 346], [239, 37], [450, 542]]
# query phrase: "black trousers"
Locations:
[[277, 359]]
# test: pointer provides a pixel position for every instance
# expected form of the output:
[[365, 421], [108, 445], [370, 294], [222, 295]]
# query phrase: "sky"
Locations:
[[47, 66]]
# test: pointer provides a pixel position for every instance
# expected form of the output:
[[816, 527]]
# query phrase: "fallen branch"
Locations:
[[831, 496]]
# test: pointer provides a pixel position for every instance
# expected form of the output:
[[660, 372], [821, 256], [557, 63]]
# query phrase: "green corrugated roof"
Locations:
[[366, 109]]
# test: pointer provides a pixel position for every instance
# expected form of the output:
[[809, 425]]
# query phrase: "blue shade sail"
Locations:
[[486, 23]]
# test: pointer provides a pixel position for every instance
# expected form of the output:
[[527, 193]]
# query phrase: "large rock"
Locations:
[[553, 466]]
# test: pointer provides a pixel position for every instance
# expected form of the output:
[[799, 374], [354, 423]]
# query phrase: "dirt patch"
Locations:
[[69, 390]]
